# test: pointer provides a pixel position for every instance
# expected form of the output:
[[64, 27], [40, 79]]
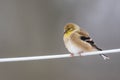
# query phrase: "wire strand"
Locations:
[[56, 56]]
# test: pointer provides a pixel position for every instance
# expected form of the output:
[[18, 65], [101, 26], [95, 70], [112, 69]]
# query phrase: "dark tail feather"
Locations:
[[105, 57]]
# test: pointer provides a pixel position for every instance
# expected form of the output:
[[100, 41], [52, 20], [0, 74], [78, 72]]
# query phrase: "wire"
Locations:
[[56, 56]]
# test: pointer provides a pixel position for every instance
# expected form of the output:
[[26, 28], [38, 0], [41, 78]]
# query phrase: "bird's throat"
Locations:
[[67, 34]]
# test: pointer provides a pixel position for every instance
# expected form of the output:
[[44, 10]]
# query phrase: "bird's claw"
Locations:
[[80, 53], [71, 54]]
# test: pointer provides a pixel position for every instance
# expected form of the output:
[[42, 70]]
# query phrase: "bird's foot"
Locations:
[[80, 53], [71, 54]]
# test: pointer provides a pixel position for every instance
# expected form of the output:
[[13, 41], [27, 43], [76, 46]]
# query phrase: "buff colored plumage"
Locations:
[[77, 41]]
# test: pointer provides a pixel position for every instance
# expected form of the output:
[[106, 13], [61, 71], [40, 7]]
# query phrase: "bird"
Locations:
[[77, 41]]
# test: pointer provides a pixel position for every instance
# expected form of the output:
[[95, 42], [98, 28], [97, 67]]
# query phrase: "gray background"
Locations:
[[35, 27]]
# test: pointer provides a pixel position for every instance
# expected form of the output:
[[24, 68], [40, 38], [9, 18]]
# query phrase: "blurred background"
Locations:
[[35, 27]]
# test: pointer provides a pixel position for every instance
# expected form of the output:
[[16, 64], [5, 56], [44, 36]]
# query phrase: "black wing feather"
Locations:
[[90, 41]]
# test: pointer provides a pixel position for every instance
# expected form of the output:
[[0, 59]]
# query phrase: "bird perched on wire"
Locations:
[[78, 41]]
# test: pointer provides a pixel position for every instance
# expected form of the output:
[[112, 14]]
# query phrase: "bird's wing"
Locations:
[[85, 37]]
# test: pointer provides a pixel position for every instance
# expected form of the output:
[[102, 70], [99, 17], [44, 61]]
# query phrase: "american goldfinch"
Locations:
[[78, 40]]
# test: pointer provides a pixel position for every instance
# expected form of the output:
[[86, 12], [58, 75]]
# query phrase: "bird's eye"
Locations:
[[68, 29]]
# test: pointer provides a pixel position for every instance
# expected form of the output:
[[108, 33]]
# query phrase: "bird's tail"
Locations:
[[105, 57]]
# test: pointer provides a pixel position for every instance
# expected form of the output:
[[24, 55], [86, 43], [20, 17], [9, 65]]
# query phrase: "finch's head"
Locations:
[[70, 27]]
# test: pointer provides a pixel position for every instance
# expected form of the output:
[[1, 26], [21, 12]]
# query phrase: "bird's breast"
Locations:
[[72, 47]]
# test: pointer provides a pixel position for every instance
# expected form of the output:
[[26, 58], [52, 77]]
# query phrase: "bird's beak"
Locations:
[[65, 31]]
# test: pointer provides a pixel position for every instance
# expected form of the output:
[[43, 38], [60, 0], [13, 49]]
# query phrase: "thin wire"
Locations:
[[56, 56]]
